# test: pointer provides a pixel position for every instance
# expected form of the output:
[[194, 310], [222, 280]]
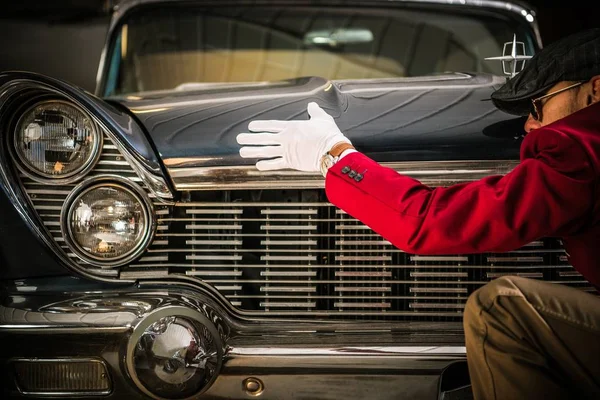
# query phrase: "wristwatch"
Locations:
[[333, 155]]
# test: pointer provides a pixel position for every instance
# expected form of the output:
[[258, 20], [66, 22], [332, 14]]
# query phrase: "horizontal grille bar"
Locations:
[[298, 258]]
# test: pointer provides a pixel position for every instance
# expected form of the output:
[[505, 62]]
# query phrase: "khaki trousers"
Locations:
[[528, 339]]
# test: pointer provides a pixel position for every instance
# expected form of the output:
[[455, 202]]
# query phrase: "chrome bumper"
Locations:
[[303, 360]]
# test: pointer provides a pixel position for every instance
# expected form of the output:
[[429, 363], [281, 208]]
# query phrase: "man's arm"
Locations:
[[548, 193]]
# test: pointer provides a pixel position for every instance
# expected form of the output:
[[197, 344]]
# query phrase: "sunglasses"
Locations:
[[536, 104]]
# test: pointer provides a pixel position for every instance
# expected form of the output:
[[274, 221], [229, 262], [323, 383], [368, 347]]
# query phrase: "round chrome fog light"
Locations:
[[174, 353], [107, 221]]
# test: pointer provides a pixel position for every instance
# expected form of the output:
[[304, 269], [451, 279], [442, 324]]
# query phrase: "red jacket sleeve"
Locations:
[[549, 193]]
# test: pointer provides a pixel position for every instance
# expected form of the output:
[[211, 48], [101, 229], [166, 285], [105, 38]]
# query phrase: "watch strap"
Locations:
[[339, 148]]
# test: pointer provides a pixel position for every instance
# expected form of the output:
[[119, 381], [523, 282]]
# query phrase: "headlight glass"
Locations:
[[108, 223], [56, 140]]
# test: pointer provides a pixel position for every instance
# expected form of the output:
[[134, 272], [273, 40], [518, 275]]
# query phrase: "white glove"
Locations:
[[298, 145]]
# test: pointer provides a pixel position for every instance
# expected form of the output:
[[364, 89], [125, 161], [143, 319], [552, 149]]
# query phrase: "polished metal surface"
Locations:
[[174, 352], [134, 311], [187, 176], [85, 313], [282, 353], [298, 384], [253, 386], [290, 359], [513, 56], [112, 311], [321, 372], [308, 259]]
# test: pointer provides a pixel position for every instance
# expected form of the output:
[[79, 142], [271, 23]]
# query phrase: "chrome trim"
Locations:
[[344, 351], [216, 292], [88, 313], [65, 360], [512, 58], [56, 180], [153, 317], [419, 380], [437, 173], [121, 312], [101, 181], [317, 359], [155, 184], [61, 329]]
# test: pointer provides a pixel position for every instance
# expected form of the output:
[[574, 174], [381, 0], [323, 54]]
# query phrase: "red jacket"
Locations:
[[553, 192]]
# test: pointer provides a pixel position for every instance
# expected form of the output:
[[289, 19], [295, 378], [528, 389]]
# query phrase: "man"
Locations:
[[525, 339]]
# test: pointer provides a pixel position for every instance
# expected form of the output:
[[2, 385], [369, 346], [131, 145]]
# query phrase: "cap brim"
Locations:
[[516, 103]]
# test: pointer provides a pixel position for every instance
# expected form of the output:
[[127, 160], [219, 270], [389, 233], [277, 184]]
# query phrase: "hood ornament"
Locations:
[[513, 57]]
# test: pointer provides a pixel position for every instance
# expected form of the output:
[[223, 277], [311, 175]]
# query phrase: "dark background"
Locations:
[[64, 38]]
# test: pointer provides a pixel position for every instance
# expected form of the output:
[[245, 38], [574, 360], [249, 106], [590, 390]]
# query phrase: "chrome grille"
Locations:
[[290, 253], [310, 259]]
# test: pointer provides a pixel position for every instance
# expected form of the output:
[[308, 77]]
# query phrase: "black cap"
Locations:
[[572, 58]]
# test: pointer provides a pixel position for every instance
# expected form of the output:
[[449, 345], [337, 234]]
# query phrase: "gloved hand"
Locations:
[[291, 144]]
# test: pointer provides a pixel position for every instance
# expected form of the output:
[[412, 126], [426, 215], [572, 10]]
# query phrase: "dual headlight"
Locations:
[[105, 220], [55, 141]]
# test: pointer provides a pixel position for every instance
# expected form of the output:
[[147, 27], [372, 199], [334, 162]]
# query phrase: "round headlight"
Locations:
[[175, 353], [55, 140], [107, 223]]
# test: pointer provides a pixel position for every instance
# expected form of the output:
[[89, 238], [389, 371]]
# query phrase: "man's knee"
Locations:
[[503, 286], [489, 292], [482, 299]]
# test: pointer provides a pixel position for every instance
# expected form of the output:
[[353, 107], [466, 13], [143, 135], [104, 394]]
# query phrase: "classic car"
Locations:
[[142, 257]]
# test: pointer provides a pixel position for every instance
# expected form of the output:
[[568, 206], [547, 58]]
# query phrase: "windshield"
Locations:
[[175, 48]]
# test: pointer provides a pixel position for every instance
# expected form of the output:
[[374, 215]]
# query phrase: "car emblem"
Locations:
[[513, 57]]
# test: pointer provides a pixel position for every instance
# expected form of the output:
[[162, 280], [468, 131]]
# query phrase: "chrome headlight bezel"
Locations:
[[108, 181], [39, 176]]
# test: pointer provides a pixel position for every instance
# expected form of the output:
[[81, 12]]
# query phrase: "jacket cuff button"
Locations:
[[358, 177], [352, 174], [345, 170]]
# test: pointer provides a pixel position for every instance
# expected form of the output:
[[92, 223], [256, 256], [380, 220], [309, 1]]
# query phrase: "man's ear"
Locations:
[[595, 89]]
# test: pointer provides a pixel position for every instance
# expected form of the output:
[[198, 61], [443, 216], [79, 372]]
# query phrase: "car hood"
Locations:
[[441, 117]]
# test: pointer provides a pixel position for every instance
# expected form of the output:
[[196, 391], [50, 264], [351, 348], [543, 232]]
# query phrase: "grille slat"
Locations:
[[309, 258]]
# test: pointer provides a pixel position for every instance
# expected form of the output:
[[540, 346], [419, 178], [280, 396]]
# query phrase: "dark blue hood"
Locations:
[[443, 117]]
